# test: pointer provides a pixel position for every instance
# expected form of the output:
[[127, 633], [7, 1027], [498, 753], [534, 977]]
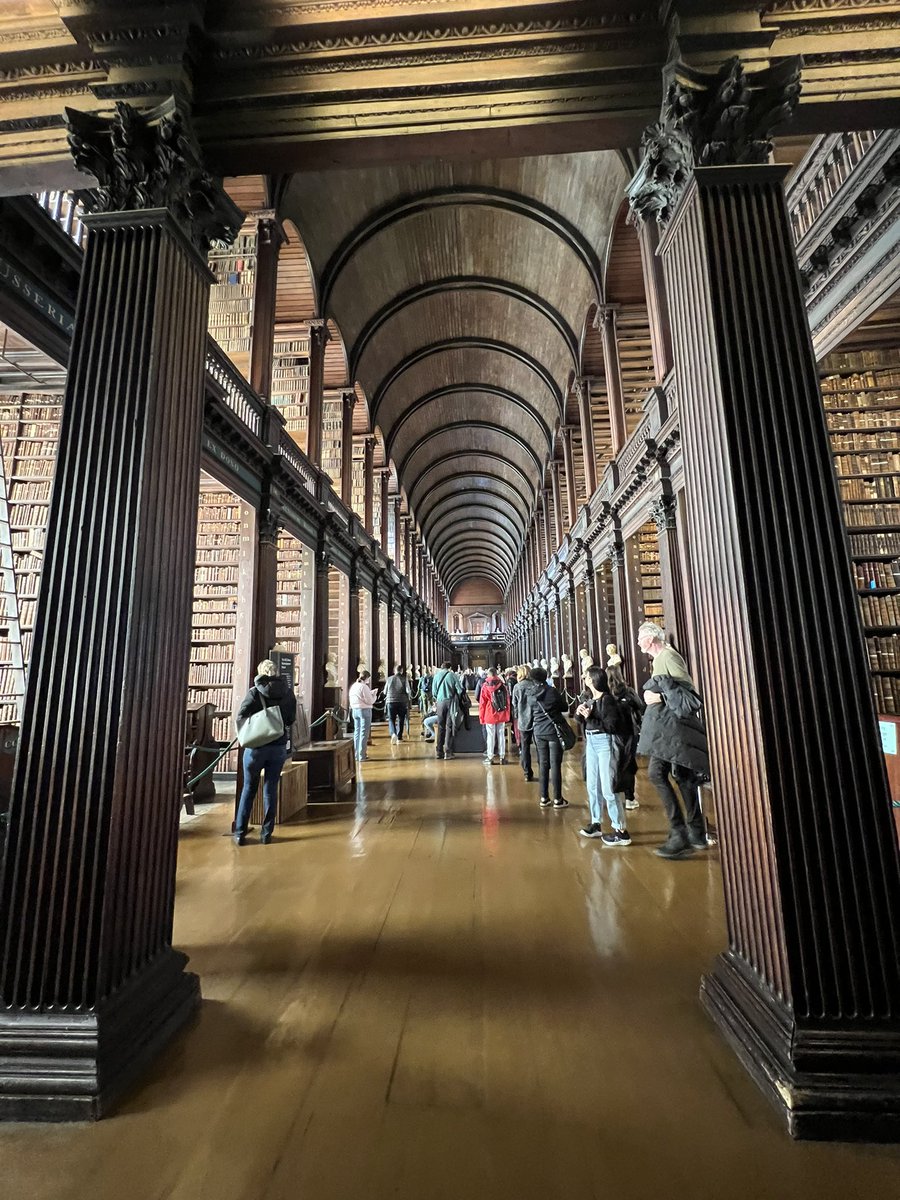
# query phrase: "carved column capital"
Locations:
[[663, 512], [319, 332], [150, 159], [709, 120]]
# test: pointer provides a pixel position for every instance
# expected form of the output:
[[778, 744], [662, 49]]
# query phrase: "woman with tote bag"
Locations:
[[263, 724]]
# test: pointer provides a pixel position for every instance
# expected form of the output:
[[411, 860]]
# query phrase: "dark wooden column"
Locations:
[[571, 487], [269, 239], [348, 402], [318, 338], [547, 525], [353, 631], [90, 986], [265, 591], [589, 457], [392, 647], [622, 601], [385, 511], [320, 638], [592, 639], [378, 650], [369, 485], [657, 300], [605, 321], [663, 513], [558, 521], [808, 991]]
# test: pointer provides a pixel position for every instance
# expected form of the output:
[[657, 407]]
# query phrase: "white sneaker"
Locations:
[[395, 741], [632, 804], [504, 762], [488, 762]]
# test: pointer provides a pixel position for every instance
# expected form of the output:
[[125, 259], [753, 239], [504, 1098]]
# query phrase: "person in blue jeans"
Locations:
[[605, 725], [361, 700], [270, 688]]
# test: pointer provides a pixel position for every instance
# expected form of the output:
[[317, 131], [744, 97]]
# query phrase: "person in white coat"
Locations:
[[361, 699]]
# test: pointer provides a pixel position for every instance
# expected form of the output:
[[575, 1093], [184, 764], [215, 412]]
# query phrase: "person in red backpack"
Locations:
[[494, 713]]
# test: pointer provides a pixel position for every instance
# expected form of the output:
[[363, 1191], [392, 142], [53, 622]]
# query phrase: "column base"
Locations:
[[827, 1084], [76, 1066]]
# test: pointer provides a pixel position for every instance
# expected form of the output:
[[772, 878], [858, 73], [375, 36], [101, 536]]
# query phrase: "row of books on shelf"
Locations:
[[296, 345], [884, 652], [21, 493], [210, 598], [875, 543], [218, 518], [234, 304], [220, 697], [206, 650], [9, 712], [290, 368], [877, 574], [32, 468], [883, 441], [232, 285], [230, 333], [225, 556], [872, 356], [880, 610], [223, 615], [879, 487], [870, 389], [11, 429], [872, 515], [218, 541], [865, 419], [11, 681], [886, 692], [214, 671], [222, 574], [28, 410], [876, 463]]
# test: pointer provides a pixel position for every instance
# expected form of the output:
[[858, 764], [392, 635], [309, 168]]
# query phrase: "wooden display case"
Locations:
[[293, 794]]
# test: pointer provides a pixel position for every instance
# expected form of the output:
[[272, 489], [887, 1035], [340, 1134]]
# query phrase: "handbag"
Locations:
[[564, 731], [262, 727]]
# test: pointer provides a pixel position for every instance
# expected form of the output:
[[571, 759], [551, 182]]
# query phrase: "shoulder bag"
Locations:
[[564, 731], [262, 727]]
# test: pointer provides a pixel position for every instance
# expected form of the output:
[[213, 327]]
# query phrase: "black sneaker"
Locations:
[[560, 803], [591, 831], [529, 779], [545, 803], [239, 838], [618, 837], [697, 844], [675, 846]]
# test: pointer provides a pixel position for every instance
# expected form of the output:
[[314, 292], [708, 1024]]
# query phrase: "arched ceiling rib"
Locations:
[[460, 289]]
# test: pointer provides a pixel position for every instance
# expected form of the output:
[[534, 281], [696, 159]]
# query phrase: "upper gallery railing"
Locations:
[[66, 211]]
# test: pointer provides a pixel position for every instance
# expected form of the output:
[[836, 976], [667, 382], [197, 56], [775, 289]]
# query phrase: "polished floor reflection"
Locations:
[[440, 993]]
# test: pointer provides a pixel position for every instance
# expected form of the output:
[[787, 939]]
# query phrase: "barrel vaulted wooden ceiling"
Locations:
[[461, 292]]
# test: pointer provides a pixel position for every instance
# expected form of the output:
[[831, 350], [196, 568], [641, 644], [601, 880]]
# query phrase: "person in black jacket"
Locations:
[[635, 707], [674, 737], [543, 706], [607, 730], [270, 688]]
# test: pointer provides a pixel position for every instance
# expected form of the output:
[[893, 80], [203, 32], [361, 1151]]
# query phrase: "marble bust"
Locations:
[[331, 679]]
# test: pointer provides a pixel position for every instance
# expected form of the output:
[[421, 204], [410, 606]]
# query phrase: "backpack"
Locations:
[[500, 698]]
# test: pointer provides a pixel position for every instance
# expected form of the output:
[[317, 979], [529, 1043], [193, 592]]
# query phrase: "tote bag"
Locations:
[[261, 728]]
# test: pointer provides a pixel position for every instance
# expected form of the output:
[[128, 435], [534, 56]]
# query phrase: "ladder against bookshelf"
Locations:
[[232, 296], [294, 609], [290, 379], [861, 394], [219, 667], [29, 437], [339, 625]]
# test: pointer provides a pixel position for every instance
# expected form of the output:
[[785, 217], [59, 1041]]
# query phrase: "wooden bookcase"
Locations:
[[220, 669], [332, 427], [339, 626], [232, 296], [294, 609], [290, 380], [651, 581], [358, 490], [861, 393], [29, 436]]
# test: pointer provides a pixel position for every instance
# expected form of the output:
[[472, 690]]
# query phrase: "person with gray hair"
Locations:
[[269, 689], [674, 738]]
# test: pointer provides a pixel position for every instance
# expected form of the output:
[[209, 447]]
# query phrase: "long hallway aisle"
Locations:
[[443, 993]]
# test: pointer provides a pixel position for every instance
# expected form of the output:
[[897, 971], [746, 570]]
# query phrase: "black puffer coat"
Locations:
[[539, 703], [673, 730]]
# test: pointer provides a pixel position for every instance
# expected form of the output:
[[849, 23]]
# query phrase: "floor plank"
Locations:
[[441, 991]]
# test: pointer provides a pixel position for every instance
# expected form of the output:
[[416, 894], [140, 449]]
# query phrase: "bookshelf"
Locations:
[[861, 394], [651, 582], [290, 380], [220, 668], [295, 574], [29, 436], [382, 642], [358, 489], [365, 630], [332, 428], [232, 296], [339, 625]]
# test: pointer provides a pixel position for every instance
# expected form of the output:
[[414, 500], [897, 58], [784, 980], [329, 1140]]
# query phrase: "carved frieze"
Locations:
[[149, 159]]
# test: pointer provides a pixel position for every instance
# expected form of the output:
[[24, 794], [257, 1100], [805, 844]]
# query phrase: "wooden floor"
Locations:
[[443, 993]]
